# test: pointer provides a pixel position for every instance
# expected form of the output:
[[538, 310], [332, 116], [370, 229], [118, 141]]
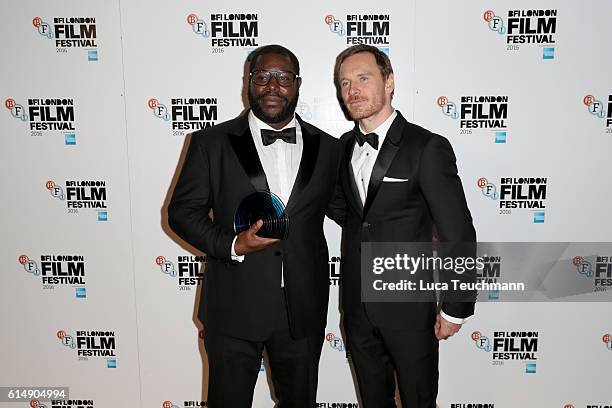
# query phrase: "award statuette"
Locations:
[[265, 206]]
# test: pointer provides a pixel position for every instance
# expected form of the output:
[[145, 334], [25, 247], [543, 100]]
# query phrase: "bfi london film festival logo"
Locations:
[[526, 28], [186, 114], [46, 115], [315, 108], [303, 109], [472, 405], [334, 270], [186, 403], [66, 403], [598, 109], [57, 271], [227, 30], [187, 271], [70, 33], [476, 112], [517, 193], [95, 343], [335, 404], [607, 339], [596, 268], [335, 342], [81, 194], [507, 346], [369, 29]]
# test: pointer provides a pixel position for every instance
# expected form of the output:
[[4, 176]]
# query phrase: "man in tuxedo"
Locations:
[[397, 180], [261, 292]]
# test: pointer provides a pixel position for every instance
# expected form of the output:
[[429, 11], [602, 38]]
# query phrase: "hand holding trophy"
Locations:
[[260, 221]]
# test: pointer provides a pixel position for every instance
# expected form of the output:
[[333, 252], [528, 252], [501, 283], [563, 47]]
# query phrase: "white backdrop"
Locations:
[[130, 60]]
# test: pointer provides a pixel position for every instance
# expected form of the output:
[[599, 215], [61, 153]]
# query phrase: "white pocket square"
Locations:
[[394, 180]]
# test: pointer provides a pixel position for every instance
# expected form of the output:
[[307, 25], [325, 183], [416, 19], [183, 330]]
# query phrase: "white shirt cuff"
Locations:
[[456, 320], [235, 257]]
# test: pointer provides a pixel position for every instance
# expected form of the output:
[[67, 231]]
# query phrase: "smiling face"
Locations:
[[272, 103], [365, 93]]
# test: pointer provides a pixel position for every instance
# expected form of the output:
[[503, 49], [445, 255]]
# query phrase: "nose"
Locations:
[[273, 83], [353, 89]]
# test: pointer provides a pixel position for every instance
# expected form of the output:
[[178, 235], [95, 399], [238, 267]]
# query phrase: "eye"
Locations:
[[344, 84], [260, 76], [363, 79]]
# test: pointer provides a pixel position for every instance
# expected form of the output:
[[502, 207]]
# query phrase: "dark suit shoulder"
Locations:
[[422, 137], [327, 141], [346, 137], [213, 134], [312, 129]]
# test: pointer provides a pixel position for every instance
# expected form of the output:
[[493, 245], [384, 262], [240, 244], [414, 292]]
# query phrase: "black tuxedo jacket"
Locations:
[[400, 212], [240, 299]]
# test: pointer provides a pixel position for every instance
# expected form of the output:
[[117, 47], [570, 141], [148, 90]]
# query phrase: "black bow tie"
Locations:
[[370, 138], [270, 136]]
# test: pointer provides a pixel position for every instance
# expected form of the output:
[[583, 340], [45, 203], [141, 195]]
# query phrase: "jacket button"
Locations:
[[365, 224]]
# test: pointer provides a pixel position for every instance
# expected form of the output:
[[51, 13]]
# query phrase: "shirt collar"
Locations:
[[260, 124], [383, 128]]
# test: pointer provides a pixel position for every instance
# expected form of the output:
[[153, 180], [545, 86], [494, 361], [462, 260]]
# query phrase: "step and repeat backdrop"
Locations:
[[99, 98]]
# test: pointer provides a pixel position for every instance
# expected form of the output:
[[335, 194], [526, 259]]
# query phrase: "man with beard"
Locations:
[[396, 181], [260, 292]]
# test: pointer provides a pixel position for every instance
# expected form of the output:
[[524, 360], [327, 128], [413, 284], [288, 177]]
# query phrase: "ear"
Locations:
[[390, 84], [298, 83]]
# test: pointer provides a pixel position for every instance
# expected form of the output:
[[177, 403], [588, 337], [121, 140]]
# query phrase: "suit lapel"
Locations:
[[349, 176], [244, 147], [385, 158], [310, 152]]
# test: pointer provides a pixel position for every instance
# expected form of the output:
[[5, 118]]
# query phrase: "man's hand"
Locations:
[[445, 329], [248, 241]]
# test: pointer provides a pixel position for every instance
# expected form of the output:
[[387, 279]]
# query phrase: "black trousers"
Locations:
[[233, 366], [379, 353]]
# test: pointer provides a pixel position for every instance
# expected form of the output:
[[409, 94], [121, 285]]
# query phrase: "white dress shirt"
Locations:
[[280, 162], [363, 160], [364, 157]]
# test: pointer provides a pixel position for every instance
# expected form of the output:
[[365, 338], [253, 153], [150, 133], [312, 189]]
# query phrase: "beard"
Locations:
[[284, 114], [365, 109]]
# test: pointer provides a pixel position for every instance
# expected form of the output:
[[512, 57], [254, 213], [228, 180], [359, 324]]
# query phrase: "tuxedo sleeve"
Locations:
[[445, 197], [192, 200], [337, 206]]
